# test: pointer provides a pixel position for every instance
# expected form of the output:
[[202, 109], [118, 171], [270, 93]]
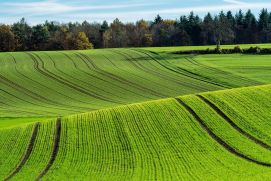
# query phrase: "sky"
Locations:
[[37, 11]]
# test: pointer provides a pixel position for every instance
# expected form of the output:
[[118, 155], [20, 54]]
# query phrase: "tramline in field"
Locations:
[[134, 114], [50, 84], [168, 139]]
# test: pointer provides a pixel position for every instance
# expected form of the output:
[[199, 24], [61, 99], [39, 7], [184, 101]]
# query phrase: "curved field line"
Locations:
[[17, 87], [99, 78], [80, 80], [20, 88], [198, 77], [55, 149], [71, 84], [54, 103], [18, 109], [59, 79], [166, 74], [143, 68], [37, 82], [218, 139], [27, 153], [27, 92], [195, 62], [32, 103], [235, 126], [128, 72], [121, 79], [21, 99]]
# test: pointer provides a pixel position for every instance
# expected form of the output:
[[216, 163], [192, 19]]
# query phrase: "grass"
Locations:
[[232, 136], [112, 114], [185, 48], [156, 140], [13, 145], [15, 122], [240, 101], [52, 84]]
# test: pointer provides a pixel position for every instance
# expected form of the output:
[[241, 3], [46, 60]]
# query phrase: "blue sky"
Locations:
[[36, 11]]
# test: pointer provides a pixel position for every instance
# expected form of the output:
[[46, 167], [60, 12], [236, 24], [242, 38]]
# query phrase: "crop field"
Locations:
[[134, 114], [51, 84], [185, 48]]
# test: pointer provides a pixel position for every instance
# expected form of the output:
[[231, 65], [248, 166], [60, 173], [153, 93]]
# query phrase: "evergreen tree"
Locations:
[[231, 19], [39, 38], [239, 27], [158, 19], [188, 30], [264, 28], [263, 20], [23, 33], [207, 34], [250, 28]]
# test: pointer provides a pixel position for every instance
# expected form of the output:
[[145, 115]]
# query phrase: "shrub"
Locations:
[[237, 49], [218, 50], [254, 50], [266, 51]]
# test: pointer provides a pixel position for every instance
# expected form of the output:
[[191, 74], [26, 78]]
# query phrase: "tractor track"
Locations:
[[231, 122], [30, 79], [178, 71], [54, 151], [118, 78], [26, 154], [218, 139], [60, 79]]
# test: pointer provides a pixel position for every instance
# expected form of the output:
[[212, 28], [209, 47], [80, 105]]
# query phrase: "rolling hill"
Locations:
[[134, 114], [207, 135], [50, 84]]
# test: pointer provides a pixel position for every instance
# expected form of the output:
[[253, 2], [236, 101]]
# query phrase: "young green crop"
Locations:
[[50, 84], [13, 145], [158, 140], [248, 107], [228, 133], [168, 139]]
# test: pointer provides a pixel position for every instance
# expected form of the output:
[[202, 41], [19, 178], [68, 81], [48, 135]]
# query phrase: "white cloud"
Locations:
[[229, 5], [76, 12], [234, 2], [55, 7]]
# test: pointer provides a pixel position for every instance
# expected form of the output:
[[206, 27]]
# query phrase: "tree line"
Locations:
[[223, 28]]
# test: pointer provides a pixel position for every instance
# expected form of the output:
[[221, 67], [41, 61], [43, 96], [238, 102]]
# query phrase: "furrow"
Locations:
[[27, 153], [166, 77], [250, 81], [120, 79], [55, 150], [79, 80], [231, 122], [218, 139], [61, 80], [187, 73], [46, 87]]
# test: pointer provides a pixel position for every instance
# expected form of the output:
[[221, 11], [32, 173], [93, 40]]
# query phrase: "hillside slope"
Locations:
[[50, 84], [211, 136]]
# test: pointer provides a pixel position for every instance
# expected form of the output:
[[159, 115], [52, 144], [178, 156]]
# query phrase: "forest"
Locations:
[[223, 28]]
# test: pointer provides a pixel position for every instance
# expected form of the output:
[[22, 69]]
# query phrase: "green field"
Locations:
[[134, 114], [186, 48]]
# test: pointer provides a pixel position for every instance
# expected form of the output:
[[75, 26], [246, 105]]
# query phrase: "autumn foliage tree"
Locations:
[[80, 42], [7, 39], [223, 28]]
